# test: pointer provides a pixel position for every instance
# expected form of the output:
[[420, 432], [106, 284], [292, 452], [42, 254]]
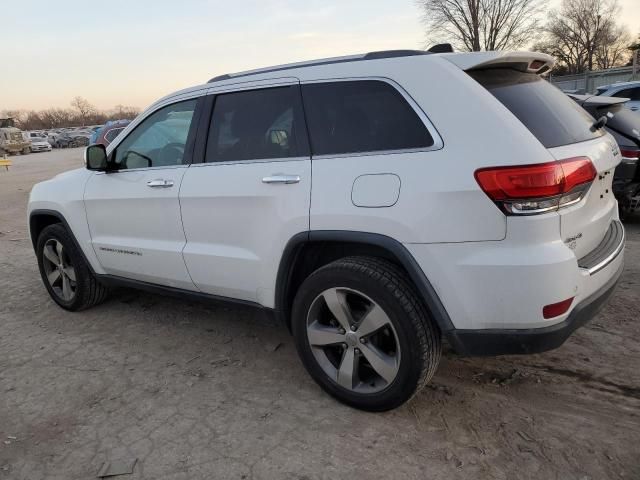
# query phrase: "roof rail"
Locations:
[[327, 61]]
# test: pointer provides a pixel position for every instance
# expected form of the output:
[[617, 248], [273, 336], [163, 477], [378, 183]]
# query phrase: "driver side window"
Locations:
[[159, 140]]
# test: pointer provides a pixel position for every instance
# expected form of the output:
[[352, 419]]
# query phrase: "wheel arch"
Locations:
[[308, 251], [40, 219]]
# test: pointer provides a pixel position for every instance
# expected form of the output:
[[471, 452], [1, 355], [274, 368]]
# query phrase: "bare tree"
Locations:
[[17, 115], [123, 112], [613, 49], [84, 108], [475, 25], [82, 114], [583, 34]]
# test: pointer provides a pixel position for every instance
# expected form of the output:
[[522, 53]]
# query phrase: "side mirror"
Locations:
[[95, 157]]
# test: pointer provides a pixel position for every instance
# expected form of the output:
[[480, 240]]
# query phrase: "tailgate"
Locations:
[[584, 225]]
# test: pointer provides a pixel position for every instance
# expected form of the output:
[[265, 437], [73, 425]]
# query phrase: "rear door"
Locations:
[[250, 193], [567, 131]]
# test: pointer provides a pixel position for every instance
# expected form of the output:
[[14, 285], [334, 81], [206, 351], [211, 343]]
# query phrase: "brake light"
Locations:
[[556, 309], [539, 188], [629, 155]]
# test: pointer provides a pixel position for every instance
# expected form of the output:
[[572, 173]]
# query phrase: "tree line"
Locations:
[[581, 34], [81, 113]]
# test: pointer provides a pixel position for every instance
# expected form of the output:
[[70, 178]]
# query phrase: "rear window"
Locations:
[[630, 93], [548, 113], [361, 116]]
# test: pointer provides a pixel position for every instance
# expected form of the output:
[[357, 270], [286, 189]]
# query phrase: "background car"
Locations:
[[630, 90], [110, 131], [71, 140], [624, 125], [40, 144]]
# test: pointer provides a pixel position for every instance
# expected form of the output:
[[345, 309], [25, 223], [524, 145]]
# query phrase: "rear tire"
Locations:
[[64, 271], [379, 353]]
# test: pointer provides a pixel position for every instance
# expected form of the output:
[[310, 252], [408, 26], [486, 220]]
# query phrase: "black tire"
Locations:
[[418, 336], [88, 290]]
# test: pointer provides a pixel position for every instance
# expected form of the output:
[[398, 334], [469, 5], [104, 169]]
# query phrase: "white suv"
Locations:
[[375, 203]]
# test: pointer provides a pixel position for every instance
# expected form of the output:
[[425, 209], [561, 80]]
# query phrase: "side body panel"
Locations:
[[440, 200], [136, 230], [63, 194], [237, 227]]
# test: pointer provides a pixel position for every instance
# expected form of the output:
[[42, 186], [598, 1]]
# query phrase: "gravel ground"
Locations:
[[199, 391]]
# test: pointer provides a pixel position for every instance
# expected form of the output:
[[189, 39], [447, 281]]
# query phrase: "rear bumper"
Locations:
[[533, 340]]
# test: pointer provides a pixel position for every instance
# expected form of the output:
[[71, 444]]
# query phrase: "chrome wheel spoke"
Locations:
[[373, 320], [385, 365], [337, 302], [348, 371], [59, 252], [67, 293], [70, 272], [51, 255], [320, 335], [53, 276]]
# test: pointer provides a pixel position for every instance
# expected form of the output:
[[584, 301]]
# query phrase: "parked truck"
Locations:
[[11, 139]]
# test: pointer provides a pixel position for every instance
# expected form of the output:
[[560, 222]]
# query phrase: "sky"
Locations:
[[131, 52]]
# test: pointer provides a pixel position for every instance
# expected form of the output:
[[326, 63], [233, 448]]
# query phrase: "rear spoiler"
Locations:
[[529, 62], [597, 101]]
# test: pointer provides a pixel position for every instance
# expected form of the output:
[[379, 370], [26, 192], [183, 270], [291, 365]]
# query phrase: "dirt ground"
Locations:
[[199, 391]]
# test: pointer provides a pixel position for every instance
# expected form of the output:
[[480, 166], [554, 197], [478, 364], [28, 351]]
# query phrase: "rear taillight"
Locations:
[[539, 188], [629, 156]]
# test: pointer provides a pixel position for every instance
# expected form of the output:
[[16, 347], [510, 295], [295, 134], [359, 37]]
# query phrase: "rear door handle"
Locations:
[[160, 183], [281, 178]]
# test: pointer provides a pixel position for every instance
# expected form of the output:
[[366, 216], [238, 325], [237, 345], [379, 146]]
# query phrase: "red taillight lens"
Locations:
[[629, 154], [556, 309], [517, 185], [577, 171]]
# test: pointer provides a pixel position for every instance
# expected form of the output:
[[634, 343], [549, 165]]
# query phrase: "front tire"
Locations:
[[363, 334], [65, 273]]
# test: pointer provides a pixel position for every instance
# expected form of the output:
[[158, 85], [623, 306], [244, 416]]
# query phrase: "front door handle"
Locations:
[[281, 178], [160, 183]]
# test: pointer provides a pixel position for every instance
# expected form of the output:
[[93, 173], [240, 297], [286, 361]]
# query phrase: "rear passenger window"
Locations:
[[256, 124], [361, 116]]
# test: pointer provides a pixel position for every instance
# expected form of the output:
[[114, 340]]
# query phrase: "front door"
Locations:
[[250, 195], [133, 211]]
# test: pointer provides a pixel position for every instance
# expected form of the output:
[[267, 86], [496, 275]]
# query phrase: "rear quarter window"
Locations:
[[361, 116], [550, 115]]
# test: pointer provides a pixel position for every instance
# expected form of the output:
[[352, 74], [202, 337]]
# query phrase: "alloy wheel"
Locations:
[[353, 340], [58, 269]]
